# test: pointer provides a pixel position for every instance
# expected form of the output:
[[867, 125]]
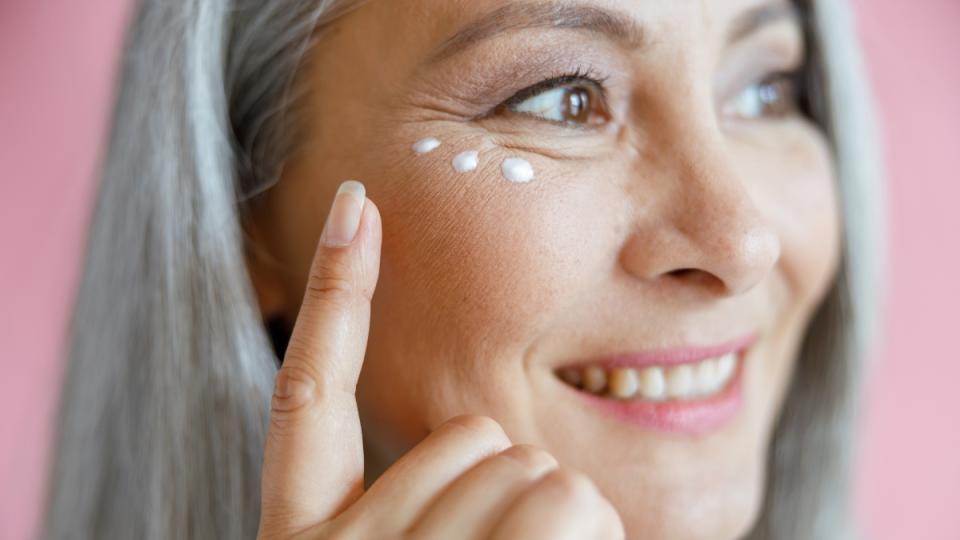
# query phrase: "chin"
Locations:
[[688, 512]]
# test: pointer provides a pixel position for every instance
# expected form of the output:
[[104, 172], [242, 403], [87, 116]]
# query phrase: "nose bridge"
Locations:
[[706, 222]]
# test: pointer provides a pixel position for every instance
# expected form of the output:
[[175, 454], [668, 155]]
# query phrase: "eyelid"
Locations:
[[755, 58], [794, 78], [579, 77], [559, 81], [757, 70]]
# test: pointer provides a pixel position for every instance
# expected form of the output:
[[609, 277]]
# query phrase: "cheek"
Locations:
[[796, 188], [484, 258], [792, 181], [474, 268]]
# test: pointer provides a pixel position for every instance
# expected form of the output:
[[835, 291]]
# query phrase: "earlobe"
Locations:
[[261, 267], [268, 290]]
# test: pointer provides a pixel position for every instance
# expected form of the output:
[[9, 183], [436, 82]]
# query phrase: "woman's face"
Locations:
[[682, 207]]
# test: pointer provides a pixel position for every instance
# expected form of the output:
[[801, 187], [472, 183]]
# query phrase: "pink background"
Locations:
[[57, 59]]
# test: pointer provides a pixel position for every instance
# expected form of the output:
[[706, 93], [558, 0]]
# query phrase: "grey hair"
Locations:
[[165, 405], [811, 454]]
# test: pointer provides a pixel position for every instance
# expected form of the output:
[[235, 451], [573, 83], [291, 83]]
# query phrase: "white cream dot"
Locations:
[[466, 161], [426, 145], [517, 169]]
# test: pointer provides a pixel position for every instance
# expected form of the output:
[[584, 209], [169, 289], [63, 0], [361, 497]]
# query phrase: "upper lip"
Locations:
[[665, 357]]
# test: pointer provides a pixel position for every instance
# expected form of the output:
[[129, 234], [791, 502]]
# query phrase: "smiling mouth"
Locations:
[[678, 375], [695, 380]]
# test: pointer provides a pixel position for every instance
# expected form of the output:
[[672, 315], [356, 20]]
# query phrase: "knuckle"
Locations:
[[482, 427], [571, 489], [608, 521], [612, 525], [294, 391], [530, 457]]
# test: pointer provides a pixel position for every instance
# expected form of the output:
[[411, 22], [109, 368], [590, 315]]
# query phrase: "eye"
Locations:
[[775, 96], [581, 105], [572, 100]]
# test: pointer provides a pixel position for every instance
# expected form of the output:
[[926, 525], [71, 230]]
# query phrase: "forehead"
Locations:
[[405, 36], [408, 35], [439, 21]]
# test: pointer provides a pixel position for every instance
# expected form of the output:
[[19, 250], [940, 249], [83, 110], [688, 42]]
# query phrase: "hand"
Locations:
[[465, 480]]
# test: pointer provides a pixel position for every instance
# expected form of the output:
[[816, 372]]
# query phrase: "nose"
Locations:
[[700, 228]]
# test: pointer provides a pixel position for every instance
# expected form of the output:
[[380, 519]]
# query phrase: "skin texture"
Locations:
[[678, 222]]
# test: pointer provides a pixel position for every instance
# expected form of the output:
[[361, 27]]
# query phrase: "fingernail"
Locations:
[[344, 219]]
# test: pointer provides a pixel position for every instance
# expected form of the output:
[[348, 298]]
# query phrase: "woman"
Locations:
[[627, 264]]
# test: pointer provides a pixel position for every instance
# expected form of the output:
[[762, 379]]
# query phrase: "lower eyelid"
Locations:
[[541, 125], [562, 147]]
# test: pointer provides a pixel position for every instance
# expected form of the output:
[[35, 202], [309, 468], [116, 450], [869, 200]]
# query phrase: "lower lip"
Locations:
[[694, 416]]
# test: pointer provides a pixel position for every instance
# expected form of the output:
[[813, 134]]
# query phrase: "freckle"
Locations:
[[517, 170], [424, 146], [466, 161]]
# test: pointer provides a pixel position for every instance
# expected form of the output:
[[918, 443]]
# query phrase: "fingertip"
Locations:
[[373, 235], [372, 213], [344, 217]]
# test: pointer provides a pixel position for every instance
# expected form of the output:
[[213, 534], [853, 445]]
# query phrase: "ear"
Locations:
[[263, 268]]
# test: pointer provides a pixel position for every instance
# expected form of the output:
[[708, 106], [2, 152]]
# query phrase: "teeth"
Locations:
[[623, 383], [726, 365], [680, 381], [705, 374], [654, 383]]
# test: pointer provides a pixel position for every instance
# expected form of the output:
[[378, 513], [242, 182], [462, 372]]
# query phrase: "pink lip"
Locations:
[[695, 416], [667, 357]]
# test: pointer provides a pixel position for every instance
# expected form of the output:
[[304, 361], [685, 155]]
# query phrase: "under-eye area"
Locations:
[[512, 168]]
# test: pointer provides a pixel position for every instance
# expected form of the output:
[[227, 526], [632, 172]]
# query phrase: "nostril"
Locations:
[[682, 273], [698, 277]]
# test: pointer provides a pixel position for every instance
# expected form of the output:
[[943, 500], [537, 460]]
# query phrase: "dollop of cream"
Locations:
[[466, 161], [517, 170], [424, 146]]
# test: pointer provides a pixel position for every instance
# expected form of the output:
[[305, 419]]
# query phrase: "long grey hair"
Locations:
[[165, 404]]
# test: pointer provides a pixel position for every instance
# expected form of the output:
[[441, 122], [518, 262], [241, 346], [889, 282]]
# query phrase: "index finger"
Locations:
[[313, 460]]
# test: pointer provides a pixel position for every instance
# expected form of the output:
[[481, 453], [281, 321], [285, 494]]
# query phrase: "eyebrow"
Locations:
[[756, 18], [610, 24]]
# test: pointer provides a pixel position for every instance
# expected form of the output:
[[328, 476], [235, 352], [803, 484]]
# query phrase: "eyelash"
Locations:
[[580, 76], [792, 93]]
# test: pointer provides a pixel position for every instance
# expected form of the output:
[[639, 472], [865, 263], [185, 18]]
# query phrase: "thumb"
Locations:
[[313, 460]]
